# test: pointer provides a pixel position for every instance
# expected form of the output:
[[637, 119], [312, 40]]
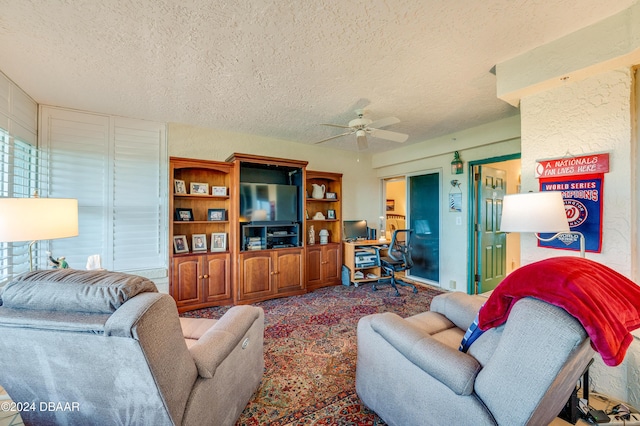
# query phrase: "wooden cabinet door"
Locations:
[[331, 263], [289, 271], [185, 282], [314, 266], [217, 282], [324, 265], [255, 272]]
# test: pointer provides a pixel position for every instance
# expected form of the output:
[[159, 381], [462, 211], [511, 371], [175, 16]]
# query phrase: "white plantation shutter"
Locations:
[[77, 147], [116, 168], [18, 178], [139, 181], [19, 165]]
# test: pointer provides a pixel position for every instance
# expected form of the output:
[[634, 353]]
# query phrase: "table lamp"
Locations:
[[33, 219], [383, 231], [537, 212]]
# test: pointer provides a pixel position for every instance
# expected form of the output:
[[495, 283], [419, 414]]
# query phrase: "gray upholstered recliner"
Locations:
[[410, 371], [112, 350]]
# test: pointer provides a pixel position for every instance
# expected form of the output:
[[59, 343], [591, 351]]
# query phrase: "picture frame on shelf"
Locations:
[[180, 244], [184, 215], [331, 214], [214, 215], [198, 188], [219, 191], [331, 196], [199, 242], [179, 186], [218, 241]]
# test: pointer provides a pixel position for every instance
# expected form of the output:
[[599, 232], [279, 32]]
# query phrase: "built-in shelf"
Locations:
[[197, 222], [323, 200], [264, 236], [219, 197], [200, 279]]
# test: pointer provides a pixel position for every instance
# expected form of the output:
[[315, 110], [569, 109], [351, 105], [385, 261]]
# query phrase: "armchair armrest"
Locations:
[[455, 369], [459, 308], [216, 344]]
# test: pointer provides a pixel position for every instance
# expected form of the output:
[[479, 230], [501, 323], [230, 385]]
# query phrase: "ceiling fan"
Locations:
[[362, 126]]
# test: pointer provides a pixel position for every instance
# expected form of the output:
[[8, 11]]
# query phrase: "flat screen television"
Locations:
[[355, 229], [267, 202]]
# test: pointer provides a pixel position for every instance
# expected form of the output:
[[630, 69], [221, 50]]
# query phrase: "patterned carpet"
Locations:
[[310, 354]]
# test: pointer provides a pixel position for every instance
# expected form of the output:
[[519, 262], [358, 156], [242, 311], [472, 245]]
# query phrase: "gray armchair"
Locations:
[[112, 350], [410, 371]]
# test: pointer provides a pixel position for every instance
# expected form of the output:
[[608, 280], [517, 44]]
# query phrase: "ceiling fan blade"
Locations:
[[386, 134], [333, 137], [384, 122], [335, 125], [362, 141]]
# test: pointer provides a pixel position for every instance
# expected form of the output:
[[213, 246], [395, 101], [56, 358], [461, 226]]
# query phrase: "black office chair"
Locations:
[[398, 259]]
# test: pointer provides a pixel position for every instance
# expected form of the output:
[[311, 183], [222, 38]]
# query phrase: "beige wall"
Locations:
[[396, 190]]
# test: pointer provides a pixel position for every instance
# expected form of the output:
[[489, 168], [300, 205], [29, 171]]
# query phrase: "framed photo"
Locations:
[[216, 214], [184, 215], [179, 187], [331, 214], [219, 190], [455, 202], [197, 188], [199, 242], [391, 205], [180, 244], [218, 241], [331, 195]]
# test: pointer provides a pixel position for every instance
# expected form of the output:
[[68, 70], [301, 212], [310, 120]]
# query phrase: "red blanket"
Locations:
[[605, 302]]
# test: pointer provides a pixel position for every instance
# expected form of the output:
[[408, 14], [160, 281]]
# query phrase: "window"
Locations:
[[117, 170], [19, 165], [423, 208]]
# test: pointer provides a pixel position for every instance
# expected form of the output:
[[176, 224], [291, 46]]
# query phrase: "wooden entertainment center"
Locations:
[[255, 214]]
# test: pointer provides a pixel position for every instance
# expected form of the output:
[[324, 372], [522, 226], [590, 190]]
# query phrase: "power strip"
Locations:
[[634, 420]]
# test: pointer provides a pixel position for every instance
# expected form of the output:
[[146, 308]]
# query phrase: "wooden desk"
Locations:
[[363, 247]]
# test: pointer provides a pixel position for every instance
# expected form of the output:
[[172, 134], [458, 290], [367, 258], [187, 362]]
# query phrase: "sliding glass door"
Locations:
[[423, 215]]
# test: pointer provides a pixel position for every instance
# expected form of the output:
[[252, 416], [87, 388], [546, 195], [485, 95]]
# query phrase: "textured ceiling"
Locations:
[[280, 68]]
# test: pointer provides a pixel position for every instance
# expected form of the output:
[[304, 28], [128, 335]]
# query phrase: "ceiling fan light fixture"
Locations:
[[359, 122], [361, 138], [361, 126]]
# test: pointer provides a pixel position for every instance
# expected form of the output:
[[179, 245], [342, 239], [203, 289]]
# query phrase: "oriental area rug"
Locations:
[[310, 353]]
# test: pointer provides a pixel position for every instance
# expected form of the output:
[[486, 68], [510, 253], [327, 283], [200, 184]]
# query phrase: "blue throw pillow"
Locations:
[[470, 336]]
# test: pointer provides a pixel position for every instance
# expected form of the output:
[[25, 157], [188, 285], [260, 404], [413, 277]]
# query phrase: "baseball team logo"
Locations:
[[576, 212]]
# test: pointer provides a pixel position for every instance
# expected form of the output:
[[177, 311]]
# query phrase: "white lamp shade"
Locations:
[[535, 212], [31, 219]]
